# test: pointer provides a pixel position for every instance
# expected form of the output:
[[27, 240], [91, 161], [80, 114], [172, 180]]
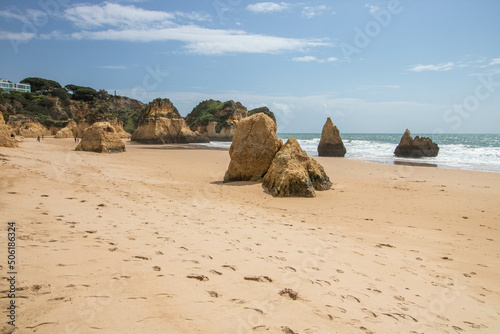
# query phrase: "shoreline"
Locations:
[[396, 160]]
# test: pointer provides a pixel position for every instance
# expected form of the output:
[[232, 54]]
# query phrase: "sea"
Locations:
[[459, 151]]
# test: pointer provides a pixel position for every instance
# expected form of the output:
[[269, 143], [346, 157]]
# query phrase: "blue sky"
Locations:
[[431, 66]]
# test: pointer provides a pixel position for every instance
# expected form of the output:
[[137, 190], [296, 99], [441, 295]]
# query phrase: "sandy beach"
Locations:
[[152, 241]]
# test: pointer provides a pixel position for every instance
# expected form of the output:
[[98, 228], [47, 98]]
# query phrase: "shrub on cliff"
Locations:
[[41, 85], [264, 110], [81, 93], [204, 113], [214, 111]]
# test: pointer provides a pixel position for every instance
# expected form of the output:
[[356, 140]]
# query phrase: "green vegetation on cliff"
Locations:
[[204, 113], [40, 85], [264, 110], [52, 105], [213, 111]]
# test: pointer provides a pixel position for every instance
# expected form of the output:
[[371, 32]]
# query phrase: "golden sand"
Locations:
[[151, 241]]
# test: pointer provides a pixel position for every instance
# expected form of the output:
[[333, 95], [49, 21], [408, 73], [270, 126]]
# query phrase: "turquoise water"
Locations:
[[462, 151]]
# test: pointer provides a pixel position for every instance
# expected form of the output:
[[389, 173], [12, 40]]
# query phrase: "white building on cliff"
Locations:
[[9, 86]]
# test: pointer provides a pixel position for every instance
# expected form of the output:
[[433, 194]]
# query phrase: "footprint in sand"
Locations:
[[368, 312], [351, 298], [201, 278], [215, 272], [258, 278], [254, 309], [287, 330], [214, 294], [289, 293]]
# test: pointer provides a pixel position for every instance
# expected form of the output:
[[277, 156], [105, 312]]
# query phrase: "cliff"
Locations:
[[216, 119], [33, 114], [161, 123], [6, 133]]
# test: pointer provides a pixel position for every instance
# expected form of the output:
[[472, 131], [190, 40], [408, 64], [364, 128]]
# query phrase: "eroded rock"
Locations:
[[331, 144], [294, 174], [253, 149]]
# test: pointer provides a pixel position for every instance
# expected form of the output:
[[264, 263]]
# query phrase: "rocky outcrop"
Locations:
[[331, 144], [101, 137], [294, 174], [26, 127], [254, 146], [118, 125], [416, 147], [264, 110], [218, 120], [161, 123], [69, 131], [124, 103], [6, 139], [81, 126]]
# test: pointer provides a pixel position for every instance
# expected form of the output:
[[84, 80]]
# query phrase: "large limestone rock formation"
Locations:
[[161, 123], [124, 103], [118, 125], [331, 144], [416, 148], [6, 132], [293, 173], [101, 137], [81, 126], [254, 146], [69, 131], [218, 120], [26, 127]]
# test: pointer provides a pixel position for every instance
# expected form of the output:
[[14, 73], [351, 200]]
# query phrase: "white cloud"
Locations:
[[115, 22], [268, 7], [310, 12], [307, 59], [56, 34], [207, 41], [439, 67], [194, 16], [495, 61], [308, 113], [282, 108], [109, 14], [16, 36], [32, 16], [482, 62], [8, 15]]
